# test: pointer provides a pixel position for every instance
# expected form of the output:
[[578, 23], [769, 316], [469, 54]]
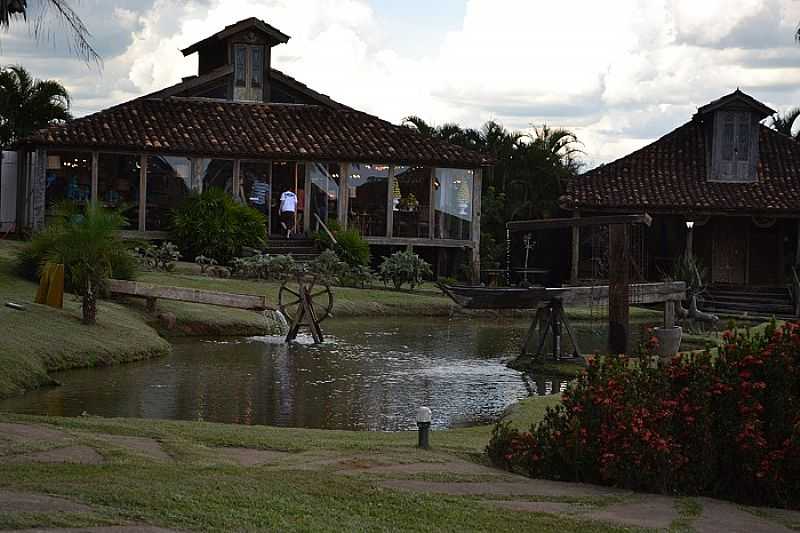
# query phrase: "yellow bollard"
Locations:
[[51, 286]]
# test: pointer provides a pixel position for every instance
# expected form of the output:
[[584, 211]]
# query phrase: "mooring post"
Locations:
[[424, 427], [618, 289]]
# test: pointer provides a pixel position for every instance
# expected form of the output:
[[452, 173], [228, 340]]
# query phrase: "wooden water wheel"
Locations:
[[305, 301]]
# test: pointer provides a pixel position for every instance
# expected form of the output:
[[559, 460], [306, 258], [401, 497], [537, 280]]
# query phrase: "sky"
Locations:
[[619, 73]]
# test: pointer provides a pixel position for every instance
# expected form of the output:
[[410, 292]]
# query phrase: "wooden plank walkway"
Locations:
[[155, 292]]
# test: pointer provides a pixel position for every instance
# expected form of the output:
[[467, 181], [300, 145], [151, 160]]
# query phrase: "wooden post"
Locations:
[[95, 177], [669, 313], [618, 289], [390, 203], [39, 189], [431, 205], [143, 193], [309, 191], [237, 180], [477, 179], [576, 251], [344, 193], [797, 244]]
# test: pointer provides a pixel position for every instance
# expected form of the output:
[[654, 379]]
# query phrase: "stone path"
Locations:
[[106, 529], [149, 448], [26, 502], [487, 486]]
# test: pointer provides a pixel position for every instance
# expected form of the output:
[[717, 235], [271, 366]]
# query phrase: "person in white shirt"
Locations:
[[287, 211]]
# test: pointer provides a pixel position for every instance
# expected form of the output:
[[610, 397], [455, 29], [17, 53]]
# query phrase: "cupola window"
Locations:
[[248, 61], [735, 150]]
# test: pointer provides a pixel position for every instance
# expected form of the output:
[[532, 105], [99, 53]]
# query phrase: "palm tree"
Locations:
[[13, 10], [88, 245], [27, 105], [560, 144], [785, 123]]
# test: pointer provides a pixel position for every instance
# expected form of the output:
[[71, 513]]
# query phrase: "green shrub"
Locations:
[[724, 425], [404, 268], [274, 267], [360, 277], [160, 258], [214, 225], [30, 258], [88, 244], [352, 248], [205, 263], [328, 267]]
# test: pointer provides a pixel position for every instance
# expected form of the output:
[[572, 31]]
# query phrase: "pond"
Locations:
[[371, 374]]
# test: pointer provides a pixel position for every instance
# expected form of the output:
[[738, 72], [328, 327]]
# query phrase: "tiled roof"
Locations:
[[671, 175], [217, 128]]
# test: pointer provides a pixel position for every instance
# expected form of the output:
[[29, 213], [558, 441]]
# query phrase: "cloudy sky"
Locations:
[[619, 73]]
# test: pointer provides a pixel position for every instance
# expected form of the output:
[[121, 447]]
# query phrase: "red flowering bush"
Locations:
[[725, 425]]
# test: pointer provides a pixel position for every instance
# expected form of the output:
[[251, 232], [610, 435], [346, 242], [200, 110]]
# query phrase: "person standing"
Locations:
[[288, 208]]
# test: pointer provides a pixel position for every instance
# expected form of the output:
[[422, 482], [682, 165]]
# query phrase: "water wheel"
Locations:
[[318, 294]]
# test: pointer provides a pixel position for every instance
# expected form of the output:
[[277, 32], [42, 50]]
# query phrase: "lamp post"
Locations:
[[424, 425], [689, 238]]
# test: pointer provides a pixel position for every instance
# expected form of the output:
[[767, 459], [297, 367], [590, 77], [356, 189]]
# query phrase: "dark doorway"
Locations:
[[729, 254], [287, 176]]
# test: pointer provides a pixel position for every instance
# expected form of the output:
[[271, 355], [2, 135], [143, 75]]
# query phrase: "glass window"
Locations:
[[324, 191], [68, 177], [412, 202], [453, 203], [368, 189], [240, 65], [216, 173], [743, 137], [118, 184], [168, 183], [257, 58], [728, 137]]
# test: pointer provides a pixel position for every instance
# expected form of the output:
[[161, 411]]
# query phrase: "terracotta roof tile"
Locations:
[[194, 126], [671, 175]]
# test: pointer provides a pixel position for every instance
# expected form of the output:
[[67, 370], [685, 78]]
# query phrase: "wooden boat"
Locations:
[[471, 297]]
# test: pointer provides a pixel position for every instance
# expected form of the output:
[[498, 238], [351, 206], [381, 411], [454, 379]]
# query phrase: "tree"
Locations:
[[785, 123], [79, 36], [27, 105], [527, 178], [88, 245]]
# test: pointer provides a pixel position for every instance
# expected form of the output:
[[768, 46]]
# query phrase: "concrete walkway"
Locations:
[[440, 473]]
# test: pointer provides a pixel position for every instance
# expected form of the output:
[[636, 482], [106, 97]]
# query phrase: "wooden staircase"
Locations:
[[302, 250], [752, 300]]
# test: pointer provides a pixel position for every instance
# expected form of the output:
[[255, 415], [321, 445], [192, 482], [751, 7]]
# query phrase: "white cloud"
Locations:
[[620, 73]]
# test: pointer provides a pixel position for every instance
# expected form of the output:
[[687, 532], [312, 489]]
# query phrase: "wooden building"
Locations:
[[247, 128], [722, 184]]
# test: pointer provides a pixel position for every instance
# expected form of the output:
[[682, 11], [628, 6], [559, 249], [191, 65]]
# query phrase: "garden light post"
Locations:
[[424, 425], [689, 238]]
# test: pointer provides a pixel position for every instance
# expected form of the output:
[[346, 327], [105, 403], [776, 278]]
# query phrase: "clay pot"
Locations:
[[669, 340]]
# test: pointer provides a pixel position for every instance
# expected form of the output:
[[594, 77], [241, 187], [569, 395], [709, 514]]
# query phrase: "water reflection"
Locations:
[[370, 375]]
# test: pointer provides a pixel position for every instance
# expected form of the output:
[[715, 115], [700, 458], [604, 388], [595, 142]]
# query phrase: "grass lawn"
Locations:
[[199, 491], [42, 339]]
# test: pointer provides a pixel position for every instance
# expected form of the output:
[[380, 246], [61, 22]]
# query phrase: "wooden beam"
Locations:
[[180, 294], [477, 185], [419, 241], [646, 293], [576, 251], [618, 289], [390, 205], [561, 223], [95, 177], [143, 192]]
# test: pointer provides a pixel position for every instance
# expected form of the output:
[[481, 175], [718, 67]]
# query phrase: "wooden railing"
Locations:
[[321, 224]]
